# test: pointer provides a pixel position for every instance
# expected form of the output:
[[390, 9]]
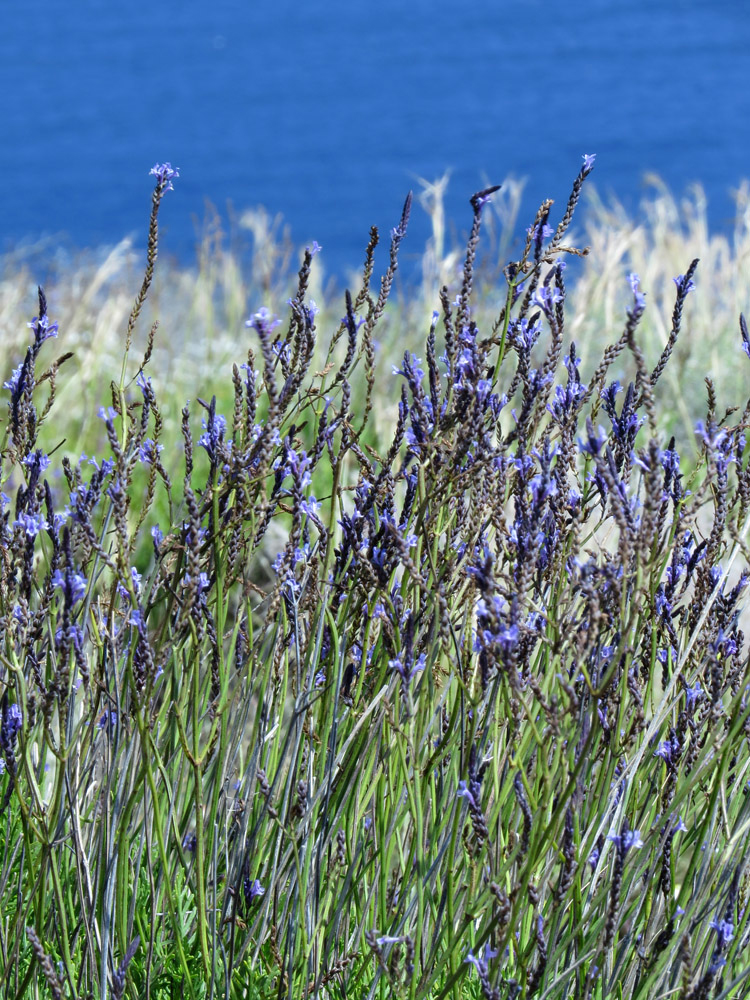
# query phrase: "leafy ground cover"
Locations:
[[306, 693]]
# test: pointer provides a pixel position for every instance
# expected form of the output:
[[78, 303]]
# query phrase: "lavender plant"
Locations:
[[298, 711]]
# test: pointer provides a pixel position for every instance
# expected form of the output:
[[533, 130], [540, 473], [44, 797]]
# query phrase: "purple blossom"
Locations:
[[482, 198], [626, 840], [10, 728], [588, 162], [310, 506], [73, 585], [546, 232], [31, 524], [718, 444], [37, 461], [282, 351], [107, 719], [149, 451], [608, 395], [407, 673], [481, 964], [137, 621], [669, 751], [638, 295], [547, 297], [59, 518], [411, 369], [43, 330], [566, 397], [263, 321], [464, 792], [253, 890], [12, 382], [595, 440], [165, 173], [681, 287], [724, 931], [522, 335], [693, 695], [215, 428], [663, 655], [389, 939]]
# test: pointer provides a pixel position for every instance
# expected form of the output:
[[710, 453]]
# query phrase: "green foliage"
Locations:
[[310, 692]]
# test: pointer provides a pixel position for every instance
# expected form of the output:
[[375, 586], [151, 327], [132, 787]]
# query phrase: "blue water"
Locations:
[[327, 111]]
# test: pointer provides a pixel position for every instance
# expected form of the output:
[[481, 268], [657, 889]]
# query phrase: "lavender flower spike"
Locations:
[[11, 725], [165, 173]]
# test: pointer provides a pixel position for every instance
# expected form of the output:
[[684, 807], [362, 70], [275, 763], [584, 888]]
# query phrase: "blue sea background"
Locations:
[[327, 112]]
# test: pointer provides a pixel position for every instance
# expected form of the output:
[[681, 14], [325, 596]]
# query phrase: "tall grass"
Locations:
[[368, 676]]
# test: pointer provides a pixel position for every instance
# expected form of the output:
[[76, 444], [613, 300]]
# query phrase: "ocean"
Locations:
[[328, 112]]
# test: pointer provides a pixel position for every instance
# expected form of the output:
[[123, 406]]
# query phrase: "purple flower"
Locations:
[[310, 506], [12, 382], [626, 840], [718, 443], [389, 939], [73, 585], [693, 695], [202, 584], [681, 287], [11, 726], [588, 162], [640, 298], [42, 328], [165, 174], [534, 233], [263, 321], [523, 336], [137, 621], [593, 858], [37, 461], [149, 451], [465, 793], [31, 524], [253, 890], [669, 751], [480, 964], [215, 428], [108, 719], [725, 932], [190, 842], [407, 673], [663, 655], [547, 297], [595, 440], [482, 198], [411, 369]]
